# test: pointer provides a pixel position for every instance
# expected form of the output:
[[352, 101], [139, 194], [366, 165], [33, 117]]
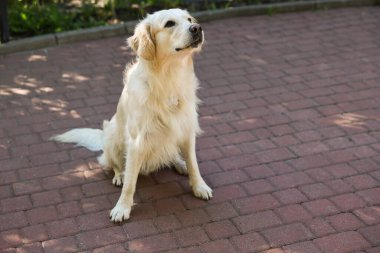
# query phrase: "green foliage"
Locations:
[[89, 15], [35, 19]]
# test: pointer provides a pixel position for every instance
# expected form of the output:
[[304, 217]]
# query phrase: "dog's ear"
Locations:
[[142, 43]]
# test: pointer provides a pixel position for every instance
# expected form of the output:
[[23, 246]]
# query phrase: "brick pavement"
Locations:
[[291, 144]]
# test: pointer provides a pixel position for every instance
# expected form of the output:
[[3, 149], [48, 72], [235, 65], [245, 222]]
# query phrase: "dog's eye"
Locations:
[[170, 23], [189, 20]]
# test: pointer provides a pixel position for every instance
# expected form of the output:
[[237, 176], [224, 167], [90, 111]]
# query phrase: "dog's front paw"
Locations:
[[202, 191], [120, 213]]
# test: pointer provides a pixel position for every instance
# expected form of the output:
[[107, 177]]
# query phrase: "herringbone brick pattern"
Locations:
[[291, 144]]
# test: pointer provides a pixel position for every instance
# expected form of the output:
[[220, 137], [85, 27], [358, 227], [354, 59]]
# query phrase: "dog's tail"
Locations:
[[89, 138]]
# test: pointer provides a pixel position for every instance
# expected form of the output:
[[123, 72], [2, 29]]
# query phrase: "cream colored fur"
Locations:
[[156, 120]]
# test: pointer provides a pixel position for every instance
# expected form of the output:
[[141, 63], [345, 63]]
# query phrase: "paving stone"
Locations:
[[287, 234], [343, 242]]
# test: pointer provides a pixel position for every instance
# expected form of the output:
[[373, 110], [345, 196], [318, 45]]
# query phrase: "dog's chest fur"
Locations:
[[173, 102], [161, 114], [165, 130]]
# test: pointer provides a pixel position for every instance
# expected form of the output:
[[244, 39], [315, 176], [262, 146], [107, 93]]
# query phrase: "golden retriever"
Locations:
[[156, 120]]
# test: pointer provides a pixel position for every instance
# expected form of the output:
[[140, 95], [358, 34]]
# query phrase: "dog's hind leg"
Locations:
[[114, 150], [180, 165], [118, 166], [118, 178]]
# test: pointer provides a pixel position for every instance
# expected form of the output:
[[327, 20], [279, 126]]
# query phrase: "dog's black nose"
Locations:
[[195, 28]]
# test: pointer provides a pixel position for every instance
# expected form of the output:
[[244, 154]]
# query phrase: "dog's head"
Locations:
[[167, 33]]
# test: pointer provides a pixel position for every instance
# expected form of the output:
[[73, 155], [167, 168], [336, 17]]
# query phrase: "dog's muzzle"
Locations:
[[196, 37]]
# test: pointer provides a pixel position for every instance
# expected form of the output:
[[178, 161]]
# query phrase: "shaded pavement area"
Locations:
[[291, 144]]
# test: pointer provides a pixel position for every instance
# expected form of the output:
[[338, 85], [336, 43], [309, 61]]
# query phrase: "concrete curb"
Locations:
[[127, 27]]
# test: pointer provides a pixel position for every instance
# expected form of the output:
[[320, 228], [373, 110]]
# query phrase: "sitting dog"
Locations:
[[156, 120]]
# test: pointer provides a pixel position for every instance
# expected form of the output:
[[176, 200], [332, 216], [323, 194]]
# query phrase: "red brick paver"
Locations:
[[291, 144]]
